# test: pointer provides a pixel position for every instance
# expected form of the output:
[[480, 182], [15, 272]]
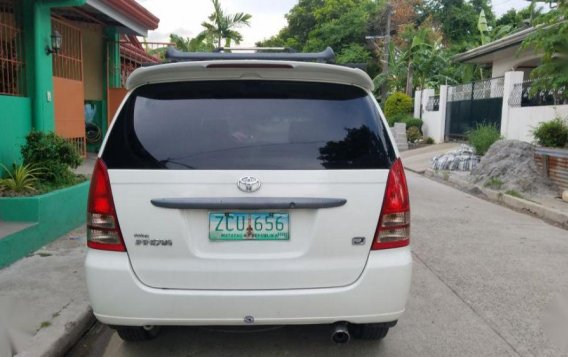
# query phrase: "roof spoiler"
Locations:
[[325, 56]]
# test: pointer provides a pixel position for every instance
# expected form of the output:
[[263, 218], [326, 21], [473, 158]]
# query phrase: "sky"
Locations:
[[184, 17]]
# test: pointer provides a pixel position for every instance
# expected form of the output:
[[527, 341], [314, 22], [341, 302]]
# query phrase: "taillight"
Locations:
[[393, 230], [103, 231]]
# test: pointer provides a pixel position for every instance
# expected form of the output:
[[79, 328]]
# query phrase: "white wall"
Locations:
[[522, 120], [417, 101], [510, 59], [434, 121]]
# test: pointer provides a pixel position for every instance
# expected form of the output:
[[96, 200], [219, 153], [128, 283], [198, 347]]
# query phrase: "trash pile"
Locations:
[[512, 164], [460, 159]]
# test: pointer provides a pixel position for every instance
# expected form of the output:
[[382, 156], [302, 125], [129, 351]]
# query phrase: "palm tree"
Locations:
[[222, 26], [201, 43]]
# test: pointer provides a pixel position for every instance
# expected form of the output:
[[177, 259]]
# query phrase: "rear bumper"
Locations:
[[119, 298]]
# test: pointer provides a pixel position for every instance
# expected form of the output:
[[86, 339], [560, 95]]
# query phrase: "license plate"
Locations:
[[231, 226]]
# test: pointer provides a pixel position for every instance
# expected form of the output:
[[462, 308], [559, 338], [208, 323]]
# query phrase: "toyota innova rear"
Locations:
[[249, 192]]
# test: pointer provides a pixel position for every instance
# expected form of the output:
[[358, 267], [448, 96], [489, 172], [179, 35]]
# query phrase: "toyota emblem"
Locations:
[[248, 184]]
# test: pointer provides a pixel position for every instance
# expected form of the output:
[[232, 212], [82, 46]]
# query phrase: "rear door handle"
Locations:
[[248, 202]]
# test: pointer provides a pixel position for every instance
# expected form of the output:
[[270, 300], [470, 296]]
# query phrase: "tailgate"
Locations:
[[318, 253]]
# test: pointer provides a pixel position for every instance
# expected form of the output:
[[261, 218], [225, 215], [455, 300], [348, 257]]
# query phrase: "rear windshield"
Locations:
[[252, 125]]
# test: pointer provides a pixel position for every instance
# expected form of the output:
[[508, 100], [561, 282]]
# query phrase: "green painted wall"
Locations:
[[37, 32], [15, 124], [113, 48], [56, 213]]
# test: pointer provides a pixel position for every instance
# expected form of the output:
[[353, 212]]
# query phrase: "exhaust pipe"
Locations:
[[340, 333]]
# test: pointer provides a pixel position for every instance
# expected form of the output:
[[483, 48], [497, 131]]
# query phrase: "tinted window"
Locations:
[[264, 125]]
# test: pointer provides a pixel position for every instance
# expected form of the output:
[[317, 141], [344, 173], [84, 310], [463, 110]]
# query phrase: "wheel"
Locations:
[[369, 331], [137, 333]]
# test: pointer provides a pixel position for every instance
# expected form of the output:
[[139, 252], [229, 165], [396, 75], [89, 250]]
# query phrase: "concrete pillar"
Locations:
[[426, 94], [37, 33], [417, 101], [113, 54], [443, 110], [511, 78]]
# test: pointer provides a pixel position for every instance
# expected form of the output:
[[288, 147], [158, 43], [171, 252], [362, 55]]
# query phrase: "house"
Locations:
[[63, 65], [509, 100], [503, 55]]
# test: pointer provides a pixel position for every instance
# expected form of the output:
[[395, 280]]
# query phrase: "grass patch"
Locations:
[[514, 193], [494, 183], [446, 176], [44, 324], [482, 137]]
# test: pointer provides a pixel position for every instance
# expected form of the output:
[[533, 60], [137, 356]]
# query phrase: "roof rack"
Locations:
[[256, 49], [325, 56]]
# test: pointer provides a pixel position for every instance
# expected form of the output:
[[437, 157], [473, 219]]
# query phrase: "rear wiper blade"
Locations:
[[164, 163]]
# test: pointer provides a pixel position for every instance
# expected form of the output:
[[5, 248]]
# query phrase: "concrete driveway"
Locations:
[[484, 279]]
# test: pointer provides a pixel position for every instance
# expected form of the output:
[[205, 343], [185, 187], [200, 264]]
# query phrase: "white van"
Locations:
[[249, 191]]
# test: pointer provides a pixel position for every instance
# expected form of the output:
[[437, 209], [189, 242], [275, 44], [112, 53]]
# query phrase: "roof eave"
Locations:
[[500, 44], [133, 17]]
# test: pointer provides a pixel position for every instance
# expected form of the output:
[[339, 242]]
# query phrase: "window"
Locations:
[[264, 125], [12, 74]]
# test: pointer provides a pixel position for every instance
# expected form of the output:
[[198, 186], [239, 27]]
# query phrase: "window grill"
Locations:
[[68, 61], [527, 94], [433, 104], [12, 65]]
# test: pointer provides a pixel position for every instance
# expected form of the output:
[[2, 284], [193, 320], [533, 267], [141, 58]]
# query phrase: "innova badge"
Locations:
[[248, 184]]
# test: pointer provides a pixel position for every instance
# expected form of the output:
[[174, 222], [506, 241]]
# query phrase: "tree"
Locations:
[[456, 18], [314, 25], [202, 43], [395, 79], [523, 18], [551, 39], [222, 26]]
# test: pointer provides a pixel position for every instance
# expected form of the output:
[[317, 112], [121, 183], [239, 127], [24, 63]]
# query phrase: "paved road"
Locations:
[[484, 277]]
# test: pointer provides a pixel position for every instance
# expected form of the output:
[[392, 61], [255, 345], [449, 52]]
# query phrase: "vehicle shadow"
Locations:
[[306, 340]]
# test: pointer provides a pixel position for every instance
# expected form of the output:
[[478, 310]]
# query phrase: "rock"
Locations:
[[512, 163], [565, 196]]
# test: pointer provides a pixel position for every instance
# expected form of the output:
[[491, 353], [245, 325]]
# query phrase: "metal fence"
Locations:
[[486, 89], [531, 94], [472, 104], [134, 54], [433, 104], [12, 64]]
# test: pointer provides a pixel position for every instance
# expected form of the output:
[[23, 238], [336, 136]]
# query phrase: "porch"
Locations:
[[62, 67]]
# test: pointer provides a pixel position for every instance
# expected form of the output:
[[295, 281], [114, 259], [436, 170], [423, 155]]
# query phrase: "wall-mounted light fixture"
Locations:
[[56, 40]]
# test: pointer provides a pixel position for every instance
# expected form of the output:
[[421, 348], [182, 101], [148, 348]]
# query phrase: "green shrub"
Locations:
[[407, 119], [397, 118], [429, 141], [55, 155], [483, 137], [398, 103], [413, 134], [21, 179], [413, 123], [552, 133]]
